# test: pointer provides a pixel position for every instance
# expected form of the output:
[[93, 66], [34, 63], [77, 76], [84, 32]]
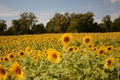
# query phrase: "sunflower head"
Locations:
[[82, 51], [16, 70], [110, 48], [87, 39], [101, 51], [109, 63], [72, 49], [35, 57], [67, 39], [28, 50], [94, 49], [54, 56], [3, 73], [21, 54]]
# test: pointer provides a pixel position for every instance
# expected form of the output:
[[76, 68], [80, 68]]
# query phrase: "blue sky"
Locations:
[[45, 9]]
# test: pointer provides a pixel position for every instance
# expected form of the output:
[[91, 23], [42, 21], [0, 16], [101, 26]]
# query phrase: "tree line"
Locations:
[[59, 23]]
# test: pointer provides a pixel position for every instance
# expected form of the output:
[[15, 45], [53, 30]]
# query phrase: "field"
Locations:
[[69, 56]]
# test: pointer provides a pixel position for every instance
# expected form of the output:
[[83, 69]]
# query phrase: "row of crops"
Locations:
[[68, 56]]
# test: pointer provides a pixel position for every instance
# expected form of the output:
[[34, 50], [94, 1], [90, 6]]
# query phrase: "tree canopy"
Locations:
[[59, 23]]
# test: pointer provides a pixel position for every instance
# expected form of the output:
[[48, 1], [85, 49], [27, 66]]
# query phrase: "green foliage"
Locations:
[[59, 23]]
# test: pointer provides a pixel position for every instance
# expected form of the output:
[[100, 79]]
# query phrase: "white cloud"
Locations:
[[115, 15], [6, 12], [113, 1], [44, 17]]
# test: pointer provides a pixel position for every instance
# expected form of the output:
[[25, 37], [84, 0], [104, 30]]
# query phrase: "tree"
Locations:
[[27, 20], [107, 22], [3, 26], [38, 29], [116, 24], [81, 22], [59, 23]]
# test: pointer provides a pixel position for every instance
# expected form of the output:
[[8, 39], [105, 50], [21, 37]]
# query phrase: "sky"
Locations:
[[44, 10]]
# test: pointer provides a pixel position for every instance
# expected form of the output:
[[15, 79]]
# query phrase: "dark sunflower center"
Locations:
[[21, 53], [75, 48], [2, 71], [0, 52], [109, 48], [18, 71], [94, 49], [35, 58], [81, 51], [6, 59], [87, 40], [54, 56], [90, 46], [101, 51], [1, 58], [66, 39], [109, 62], [11, 56], [71, 49], [28, 50]]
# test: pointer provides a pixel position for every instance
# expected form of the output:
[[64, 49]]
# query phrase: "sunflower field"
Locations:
[[66, 56]]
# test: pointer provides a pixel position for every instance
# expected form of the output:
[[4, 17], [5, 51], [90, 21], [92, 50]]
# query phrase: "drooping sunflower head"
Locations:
[[87, 39], [54, 56], [16, 70], [109, 63], [67, 39], [3, 73]]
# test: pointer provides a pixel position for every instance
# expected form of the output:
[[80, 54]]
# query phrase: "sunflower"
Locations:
[[21, 54], [90, 46], [5, 58], [28, 50], [109, 63], [54, 56], [70, 49], [110, 48], [36, 52], [67, 39], [35, 57], [16, 70], [82, 51], [101, 51], [3, 73], [87, 39], [10, 56], [75, 48], [1, 59], [94, 49]]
